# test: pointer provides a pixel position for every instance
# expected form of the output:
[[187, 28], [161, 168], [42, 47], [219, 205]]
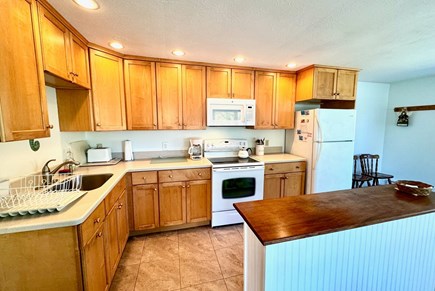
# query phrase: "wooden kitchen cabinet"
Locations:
[[169, 96], [180, 96], [94, 265], [140, 94], [172, 203], [64, 54], [116, 227], [230, 83], [324, 83], [194, 99], [284, 179], [275, 98], [22, 91], [198, 201], [145, 200], [107, 91]]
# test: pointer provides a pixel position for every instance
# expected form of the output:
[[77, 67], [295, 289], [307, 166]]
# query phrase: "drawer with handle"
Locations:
[[184, 175], [139, 178], [278, 168], [92, 223]]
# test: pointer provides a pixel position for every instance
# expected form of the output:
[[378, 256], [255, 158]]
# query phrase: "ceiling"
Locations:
[[389, 40]]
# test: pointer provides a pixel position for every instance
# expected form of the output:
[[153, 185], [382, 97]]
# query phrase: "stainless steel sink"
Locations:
[[168, 160], [87, 183]]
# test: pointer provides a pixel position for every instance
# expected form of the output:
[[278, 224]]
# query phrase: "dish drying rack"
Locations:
[[31, 194]]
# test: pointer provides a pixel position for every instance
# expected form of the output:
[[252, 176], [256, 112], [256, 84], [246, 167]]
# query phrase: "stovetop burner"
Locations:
[[234, 162], [231, 160]]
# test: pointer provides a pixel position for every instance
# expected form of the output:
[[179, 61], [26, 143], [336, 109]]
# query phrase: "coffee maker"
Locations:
[[196, 149]]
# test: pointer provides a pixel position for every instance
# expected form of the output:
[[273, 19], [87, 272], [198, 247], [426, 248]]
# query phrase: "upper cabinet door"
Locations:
[[107, 91], [265, 89], [218, 83], [285, 101], [140, 90], [346, 84], [80, 62], [55, 45], [169, 96], [242, 84], [22, 91], [64, 54], [324, 83], [193, 97]]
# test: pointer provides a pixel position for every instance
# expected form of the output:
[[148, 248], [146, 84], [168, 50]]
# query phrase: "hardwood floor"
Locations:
[[201, 258]]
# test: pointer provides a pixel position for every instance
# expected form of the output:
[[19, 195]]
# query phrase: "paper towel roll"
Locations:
[[128, 151]]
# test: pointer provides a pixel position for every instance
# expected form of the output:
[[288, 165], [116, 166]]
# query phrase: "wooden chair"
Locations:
[[358, 180], [369, 167]]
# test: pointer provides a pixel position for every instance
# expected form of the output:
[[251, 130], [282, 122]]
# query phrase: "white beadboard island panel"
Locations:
[[395, 255]]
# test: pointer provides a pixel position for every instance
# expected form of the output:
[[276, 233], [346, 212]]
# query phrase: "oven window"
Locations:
[[238, 188]]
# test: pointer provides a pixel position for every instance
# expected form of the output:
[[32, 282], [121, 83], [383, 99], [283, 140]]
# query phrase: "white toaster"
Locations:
[[99, 155]]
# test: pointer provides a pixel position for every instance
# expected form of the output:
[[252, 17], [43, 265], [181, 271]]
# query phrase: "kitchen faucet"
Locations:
[[47, 174]]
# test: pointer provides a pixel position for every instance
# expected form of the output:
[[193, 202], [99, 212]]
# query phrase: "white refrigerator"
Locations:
[[325, 137]]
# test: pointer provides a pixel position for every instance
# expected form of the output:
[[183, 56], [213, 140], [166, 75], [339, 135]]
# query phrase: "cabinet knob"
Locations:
[[144, 179], [98, 124], [188, 186], [75, 74], [285, 177], [97, 220], [297, 167], [170, 176], [72, 73], [199, 174], [50, 126], [154, 124], [183, 186], [155, 189], [120, 205], [100, 234], [338, 94]]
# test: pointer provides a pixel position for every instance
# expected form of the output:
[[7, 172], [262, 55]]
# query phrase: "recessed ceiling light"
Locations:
[[116, 45], [88, 4], [291, 65], [178, 53], [239, 59]]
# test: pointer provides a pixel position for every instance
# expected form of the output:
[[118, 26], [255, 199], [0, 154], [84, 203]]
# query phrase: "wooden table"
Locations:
[[373, 238]]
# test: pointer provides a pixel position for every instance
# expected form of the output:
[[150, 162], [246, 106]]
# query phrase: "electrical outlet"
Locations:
[[266, 142], [164, 145]]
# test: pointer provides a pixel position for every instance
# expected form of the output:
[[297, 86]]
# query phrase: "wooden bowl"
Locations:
[[415, 188]]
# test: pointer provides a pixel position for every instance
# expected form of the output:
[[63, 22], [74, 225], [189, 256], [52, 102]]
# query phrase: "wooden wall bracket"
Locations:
[[415, 108]]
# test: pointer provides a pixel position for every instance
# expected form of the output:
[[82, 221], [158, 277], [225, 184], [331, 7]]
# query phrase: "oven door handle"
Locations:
[[241, 169]]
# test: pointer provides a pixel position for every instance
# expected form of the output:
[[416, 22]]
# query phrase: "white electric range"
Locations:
[[233, 179]]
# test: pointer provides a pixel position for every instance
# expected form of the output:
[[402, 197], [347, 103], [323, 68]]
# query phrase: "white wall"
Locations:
[[17, 159], [409, 152], [179, 139], [371, 108]]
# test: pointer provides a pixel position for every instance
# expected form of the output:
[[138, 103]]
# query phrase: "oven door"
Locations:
[[238, 184]]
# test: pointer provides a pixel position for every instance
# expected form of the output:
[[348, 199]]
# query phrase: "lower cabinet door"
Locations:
[[111, 242], [122, 220], [172, 203], [198, 201], [145, 207], [94, 267], [294, 184], [272, 186]]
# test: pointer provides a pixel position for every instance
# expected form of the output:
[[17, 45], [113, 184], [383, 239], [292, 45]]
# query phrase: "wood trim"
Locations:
[[415, 108], [326, 67], [169, 228]]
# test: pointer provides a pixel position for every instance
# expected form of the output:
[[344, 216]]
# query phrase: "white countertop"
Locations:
[[79, 210]]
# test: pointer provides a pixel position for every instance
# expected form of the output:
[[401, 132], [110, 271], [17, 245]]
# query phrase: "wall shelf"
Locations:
[[414, 108]]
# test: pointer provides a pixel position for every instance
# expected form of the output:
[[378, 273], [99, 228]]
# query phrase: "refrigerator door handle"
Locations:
[[318, 152], [319, 131]]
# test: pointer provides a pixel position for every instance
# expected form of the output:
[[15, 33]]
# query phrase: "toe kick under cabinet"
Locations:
[[169, 199]]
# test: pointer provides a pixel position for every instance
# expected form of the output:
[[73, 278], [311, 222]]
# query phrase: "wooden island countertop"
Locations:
[[279, 220]]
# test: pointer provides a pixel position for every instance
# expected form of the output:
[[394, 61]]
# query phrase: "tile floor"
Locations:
[[201, 258]]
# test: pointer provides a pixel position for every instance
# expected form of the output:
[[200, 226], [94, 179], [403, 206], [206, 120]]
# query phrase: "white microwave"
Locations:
[[230, 112]]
